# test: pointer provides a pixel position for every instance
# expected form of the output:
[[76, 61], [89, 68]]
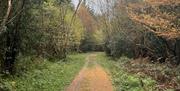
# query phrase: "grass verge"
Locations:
[[48, 76], [123, 80]]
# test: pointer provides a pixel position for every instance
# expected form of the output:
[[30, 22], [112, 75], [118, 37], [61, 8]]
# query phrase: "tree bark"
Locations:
[[12, 45], [177, 49], [3, 24]]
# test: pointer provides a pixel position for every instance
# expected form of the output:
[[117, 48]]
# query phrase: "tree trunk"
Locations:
[[3, 24], [177, 49], [12, 45]]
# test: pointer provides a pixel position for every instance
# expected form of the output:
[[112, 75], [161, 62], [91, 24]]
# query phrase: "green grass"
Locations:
[[50, 76], [122, 80]]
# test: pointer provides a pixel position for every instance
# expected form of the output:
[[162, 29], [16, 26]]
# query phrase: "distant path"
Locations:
[[91, 78]]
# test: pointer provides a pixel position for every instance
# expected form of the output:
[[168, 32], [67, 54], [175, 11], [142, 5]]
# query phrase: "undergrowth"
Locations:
[[38, 74], [166, 74], [123, 80]]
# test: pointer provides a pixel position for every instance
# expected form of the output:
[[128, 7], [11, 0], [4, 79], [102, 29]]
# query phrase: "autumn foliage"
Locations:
[[161, 18], [148, 28]]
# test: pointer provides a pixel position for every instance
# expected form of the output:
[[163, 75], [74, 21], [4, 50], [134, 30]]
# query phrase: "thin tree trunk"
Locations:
[[3, 24], [12, 45]]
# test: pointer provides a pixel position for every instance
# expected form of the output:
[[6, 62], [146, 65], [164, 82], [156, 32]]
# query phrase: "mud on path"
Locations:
[[91, 78]]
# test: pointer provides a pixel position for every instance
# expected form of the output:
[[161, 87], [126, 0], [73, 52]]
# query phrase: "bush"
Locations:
[[42, 75]]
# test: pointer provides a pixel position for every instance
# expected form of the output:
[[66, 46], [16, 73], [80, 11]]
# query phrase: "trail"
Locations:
[[92, 77]]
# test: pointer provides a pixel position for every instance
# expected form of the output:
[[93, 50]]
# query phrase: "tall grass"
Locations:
[[122, 80], [44, 75]]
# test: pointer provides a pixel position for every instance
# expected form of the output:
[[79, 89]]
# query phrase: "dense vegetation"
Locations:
[[144, 29], [149, 30], [122, 80], [33, 35], [44, 74], [35, 40], [41, 28], [37, 37]]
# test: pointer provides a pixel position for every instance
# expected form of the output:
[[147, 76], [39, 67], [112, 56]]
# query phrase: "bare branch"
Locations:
[[73, 17]]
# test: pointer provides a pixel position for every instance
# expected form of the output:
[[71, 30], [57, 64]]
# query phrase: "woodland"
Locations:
[[50, 38]]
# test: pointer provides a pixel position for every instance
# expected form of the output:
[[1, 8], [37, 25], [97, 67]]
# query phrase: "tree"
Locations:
[[41, 28], [12, 35], [3, 23], [89, 42]]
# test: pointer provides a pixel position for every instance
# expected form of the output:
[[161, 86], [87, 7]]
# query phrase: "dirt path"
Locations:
[[91, 78]]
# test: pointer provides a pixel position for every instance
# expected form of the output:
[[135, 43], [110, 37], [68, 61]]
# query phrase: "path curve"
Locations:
[[91, 78]]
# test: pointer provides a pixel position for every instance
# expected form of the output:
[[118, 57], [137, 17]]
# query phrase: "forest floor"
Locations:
[[92, 77], [90, 71], [39, 74]]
